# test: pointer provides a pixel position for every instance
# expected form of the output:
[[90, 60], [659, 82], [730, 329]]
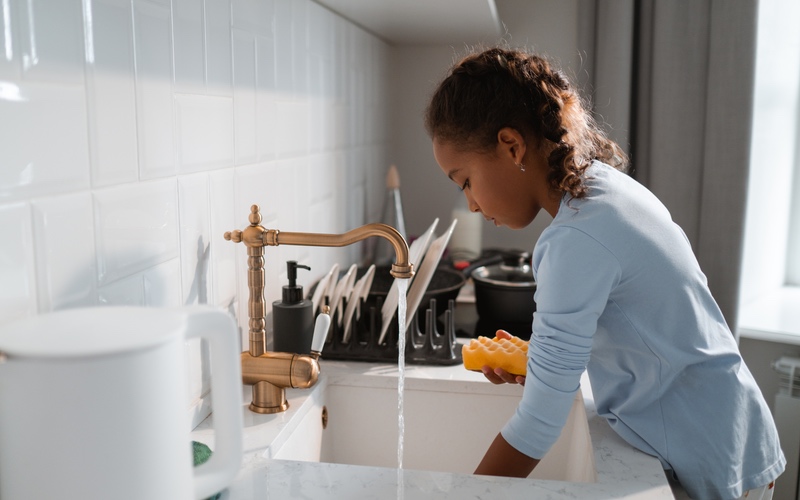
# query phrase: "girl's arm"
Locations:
[[502, 459]]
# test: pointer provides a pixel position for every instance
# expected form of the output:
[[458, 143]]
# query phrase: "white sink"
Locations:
[[448, 427]]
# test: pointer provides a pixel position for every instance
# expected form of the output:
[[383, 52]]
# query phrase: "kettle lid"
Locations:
[[90, 331]]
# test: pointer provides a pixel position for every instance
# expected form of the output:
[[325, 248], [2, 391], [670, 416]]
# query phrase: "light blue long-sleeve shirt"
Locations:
[[620, 293]]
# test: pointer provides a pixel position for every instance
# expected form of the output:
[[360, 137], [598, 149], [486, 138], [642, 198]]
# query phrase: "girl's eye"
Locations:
[[465, 186]]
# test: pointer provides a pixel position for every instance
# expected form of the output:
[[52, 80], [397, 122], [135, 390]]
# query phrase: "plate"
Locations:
[[323, 290], [354, 300], [343, 289], [425, 273], [415, 253]]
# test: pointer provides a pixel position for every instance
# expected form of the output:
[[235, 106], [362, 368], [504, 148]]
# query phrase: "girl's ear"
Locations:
[[511, 144]]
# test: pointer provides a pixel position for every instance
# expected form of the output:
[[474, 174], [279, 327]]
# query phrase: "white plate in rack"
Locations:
[[355, 299], [415, 253], [343, 289], [324, 289], [426, 270]]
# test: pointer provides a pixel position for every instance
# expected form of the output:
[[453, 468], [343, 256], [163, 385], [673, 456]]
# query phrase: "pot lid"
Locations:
[[91, 331], [514, 276]]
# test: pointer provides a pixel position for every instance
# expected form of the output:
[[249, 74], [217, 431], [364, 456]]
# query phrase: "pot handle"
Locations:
[[218, 328], [512, 258], [494, 259]]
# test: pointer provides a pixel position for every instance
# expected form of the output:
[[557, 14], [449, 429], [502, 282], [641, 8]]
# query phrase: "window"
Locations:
[[770, 278]]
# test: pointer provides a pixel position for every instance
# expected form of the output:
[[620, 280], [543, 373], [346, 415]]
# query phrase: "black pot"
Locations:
[[504, 291]]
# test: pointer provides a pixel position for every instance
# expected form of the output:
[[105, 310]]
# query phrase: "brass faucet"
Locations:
[[270, 373]]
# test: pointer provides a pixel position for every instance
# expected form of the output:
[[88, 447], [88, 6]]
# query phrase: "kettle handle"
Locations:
[[218, 328]]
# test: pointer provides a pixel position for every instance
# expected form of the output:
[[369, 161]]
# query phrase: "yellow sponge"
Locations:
[[509, 354]]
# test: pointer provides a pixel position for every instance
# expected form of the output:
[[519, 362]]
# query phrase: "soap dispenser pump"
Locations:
[[293, 316]]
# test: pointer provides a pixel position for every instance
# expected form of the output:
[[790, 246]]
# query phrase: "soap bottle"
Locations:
[[293, 316]]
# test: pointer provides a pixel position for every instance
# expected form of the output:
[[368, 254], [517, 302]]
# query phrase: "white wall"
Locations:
[[545, 26], [136, 132]]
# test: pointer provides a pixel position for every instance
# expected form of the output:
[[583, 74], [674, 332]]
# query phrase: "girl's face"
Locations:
[[494, 184]]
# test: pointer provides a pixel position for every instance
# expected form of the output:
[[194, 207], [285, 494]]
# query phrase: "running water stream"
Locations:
[[402, 288]]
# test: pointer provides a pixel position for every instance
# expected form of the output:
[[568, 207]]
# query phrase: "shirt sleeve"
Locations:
[[574, 278]]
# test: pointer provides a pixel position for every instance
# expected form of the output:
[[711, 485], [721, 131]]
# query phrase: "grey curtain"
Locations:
[[674, 80]]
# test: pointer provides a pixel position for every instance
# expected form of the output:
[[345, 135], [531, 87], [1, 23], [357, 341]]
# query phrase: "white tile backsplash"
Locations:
[[244, 96], [65, 254], [48, 58], [45, 148], [205, 132], [195, 238], [17, 262], [134, 133], [189, 36], [136, 227], [111, 92], [219, 67], [154, 98]]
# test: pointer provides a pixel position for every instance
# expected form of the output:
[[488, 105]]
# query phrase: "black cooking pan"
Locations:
[[504, 290]]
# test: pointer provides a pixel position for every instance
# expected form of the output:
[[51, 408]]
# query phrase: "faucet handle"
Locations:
[[321, 327], [234, 236]]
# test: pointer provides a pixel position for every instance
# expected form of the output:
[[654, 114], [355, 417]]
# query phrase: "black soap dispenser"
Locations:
[[293, 316]]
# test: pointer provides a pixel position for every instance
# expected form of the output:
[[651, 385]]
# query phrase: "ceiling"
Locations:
[[422, 22]]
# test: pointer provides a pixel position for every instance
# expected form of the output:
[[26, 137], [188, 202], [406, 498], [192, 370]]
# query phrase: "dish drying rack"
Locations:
[[425, 344]]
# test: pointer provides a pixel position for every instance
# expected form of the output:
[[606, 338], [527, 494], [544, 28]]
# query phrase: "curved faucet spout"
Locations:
[[401, 268]]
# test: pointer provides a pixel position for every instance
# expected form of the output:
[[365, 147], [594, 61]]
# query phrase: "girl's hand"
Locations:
[[498, 375]]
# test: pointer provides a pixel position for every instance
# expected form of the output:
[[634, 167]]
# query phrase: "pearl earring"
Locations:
[[521, 167]]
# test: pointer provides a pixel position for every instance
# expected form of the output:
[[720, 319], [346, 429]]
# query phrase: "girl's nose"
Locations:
[[473, 207]]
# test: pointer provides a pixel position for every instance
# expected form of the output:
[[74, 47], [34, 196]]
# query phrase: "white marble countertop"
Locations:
[[622, 471]]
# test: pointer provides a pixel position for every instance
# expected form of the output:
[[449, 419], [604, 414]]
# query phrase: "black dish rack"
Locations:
[[429, 341]]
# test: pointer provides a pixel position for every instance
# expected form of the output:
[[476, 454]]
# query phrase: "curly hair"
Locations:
[[498, 88]]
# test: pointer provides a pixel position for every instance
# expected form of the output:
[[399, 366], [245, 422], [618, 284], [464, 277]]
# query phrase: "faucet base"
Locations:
[[268, 398], [269, 410]]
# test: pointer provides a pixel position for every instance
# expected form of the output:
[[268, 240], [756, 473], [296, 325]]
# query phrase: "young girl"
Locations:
[[619, 291]]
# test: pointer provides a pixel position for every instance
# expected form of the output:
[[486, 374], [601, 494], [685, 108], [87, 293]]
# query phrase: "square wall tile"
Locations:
[[300, 46], [222, 218], [244, 96], [320, 30], [65, 256], [111, 92], [195, 238], [162, 284], [284, 56], [266, 98], [205, 132], [219, 72], [10, 63], [321, 177], [52, 40], [188, 34], [154, 102], [136, 227], [17, 263], [292, 123], [256, 185], [45, 141], [253, 16]]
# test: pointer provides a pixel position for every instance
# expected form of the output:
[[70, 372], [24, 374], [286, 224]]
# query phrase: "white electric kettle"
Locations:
[[93, 404]]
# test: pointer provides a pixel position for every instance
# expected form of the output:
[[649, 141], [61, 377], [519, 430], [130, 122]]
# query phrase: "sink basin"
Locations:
[[448, 427]]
